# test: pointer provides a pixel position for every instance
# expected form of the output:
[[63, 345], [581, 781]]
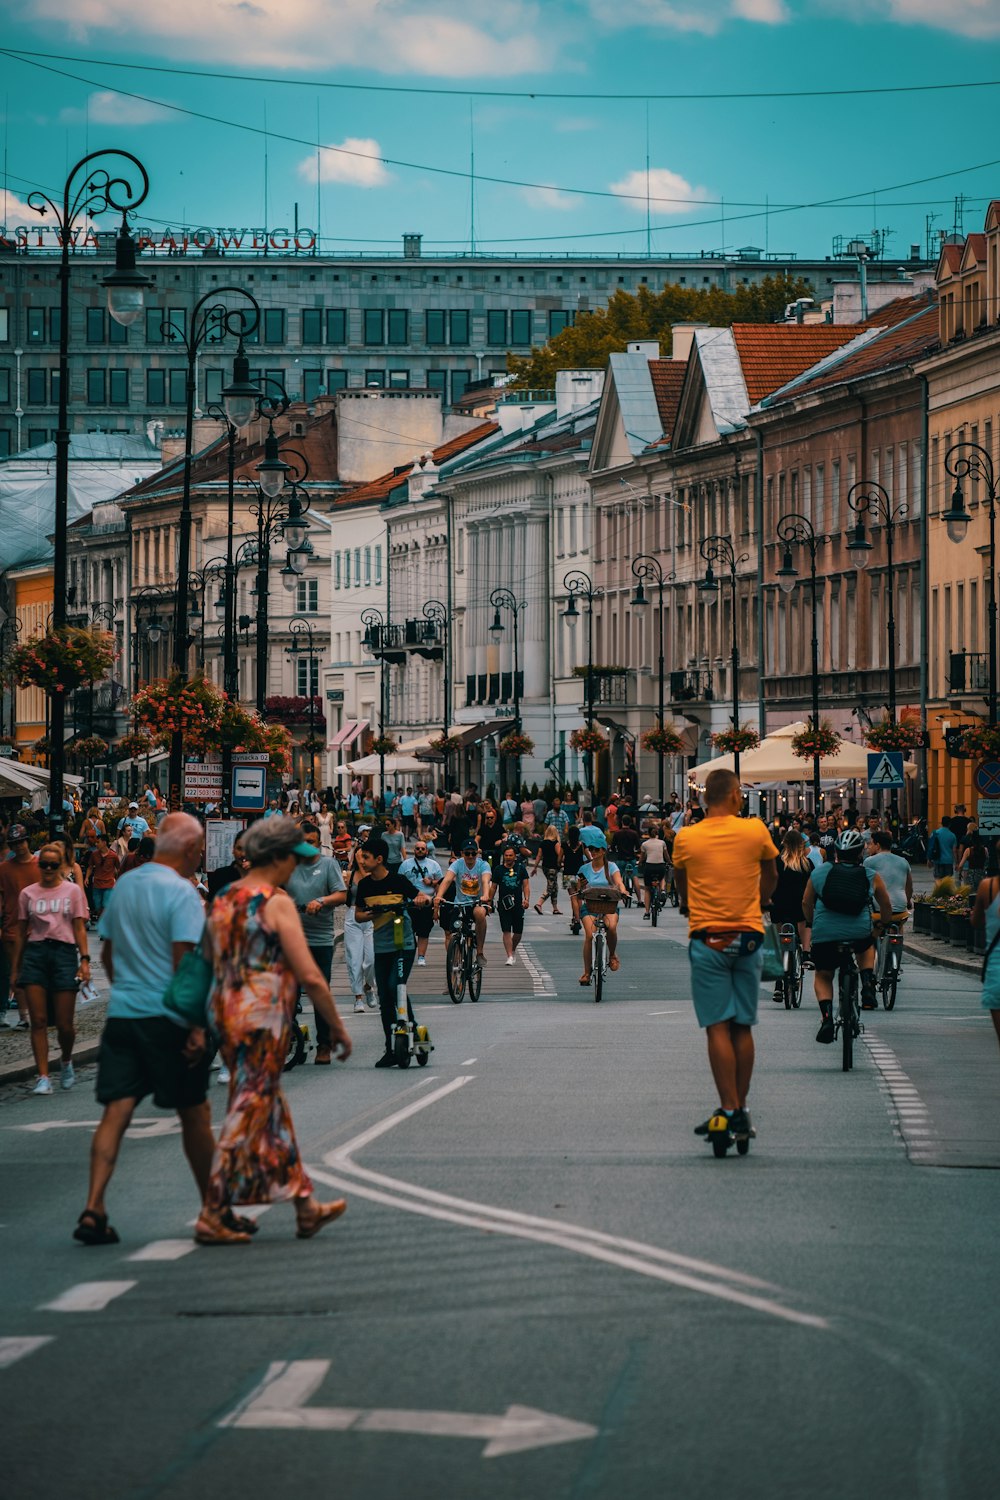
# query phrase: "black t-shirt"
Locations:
[[573, 859], [458, 832], [490, 835], [393, 884], [959, 826], [509, 883], [625, 844]]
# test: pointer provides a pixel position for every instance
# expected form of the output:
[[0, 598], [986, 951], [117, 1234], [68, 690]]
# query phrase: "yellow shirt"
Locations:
[[722, 858]]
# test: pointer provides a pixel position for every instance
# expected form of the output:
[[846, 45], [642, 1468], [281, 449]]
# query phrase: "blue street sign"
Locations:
[[885, 770], [249, 789]]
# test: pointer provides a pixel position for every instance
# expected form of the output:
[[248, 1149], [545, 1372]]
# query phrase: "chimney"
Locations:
[[682, 339], [423, 476], [411, 246], [648, 347], [575, 388]]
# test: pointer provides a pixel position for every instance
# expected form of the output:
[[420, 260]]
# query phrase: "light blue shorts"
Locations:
[[725, 985]]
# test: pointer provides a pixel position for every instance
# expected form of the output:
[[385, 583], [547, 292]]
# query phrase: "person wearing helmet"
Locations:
[[837, 906], [472, 878]]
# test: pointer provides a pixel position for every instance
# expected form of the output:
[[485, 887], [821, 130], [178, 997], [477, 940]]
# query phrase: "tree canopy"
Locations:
[[650, 315]]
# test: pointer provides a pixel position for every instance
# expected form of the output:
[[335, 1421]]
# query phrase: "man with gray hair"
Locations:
[[150, 921]]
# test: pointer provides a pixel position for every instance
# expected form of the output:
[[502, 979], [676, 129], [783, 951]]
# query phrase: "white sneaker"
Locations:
[[43, 1086], [224, 1075], [421, 962], [371, 999], [510, 960], [67, 1078], [359, 1007]]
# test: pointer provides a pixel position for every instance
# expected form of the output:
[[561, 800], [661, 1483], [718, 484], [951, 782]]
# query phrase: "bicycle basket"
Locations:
[[601, 901]]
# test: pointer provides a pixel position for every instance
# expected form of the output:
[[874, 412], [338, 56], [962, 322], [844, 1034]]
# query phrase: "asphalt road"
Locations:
[[545, 1285]]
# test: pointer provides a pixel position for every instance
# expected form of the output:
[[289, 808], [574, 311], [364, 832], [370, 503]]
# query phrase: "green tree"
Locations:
[[650, 315]]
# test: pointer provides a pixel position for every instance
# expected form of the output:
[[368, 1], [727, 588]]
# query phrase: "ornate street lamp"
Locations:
[[301, 626], [505, 599], [436, 611], [793, 530], [870, 499], [580, 585], [970, 461], [375, 643], [646, 566], [719, 549]]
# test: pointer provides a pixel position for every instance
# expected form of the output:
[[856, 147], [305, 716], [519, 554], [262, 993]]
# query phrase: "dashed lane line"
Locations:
[[541, 981], [13, 1349], [163, 1250], [88, 1296], [910, 1118]]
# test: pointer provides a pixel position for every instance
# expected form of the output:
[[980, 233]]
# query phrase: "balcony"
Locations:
[[690, 687], [968, 672], [424, 638], [495, 687]]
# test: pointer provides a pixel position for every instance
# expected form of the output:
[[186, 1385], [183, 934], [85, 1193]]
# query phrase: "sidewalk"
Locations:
[[16, 1061], [936, 951]]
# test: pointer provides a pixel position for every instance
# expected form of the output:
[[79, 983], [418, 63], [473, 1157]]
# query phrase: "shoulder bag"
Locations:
[[186, 996]]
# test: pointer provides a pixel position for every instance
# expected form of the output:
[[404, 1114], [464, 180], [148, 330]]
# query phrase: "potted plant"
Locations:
[[135, 745], [63, 659], [981, 741], [895, 734], [822, 740], [662, 740], [587, 741], [90, 748], [729, 741], [515, 743], [383, 744], [446, 744], [921, 914]]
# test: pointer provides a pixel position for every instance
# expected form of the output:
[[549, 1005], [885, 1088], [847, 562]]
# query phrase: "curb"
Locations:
[[939, 961], [15, 1072]]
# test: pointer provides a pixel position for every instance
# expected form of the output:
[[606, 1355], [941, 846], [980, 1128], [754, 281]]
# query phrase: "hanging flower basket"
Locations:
[[895, 734], [383, 744], [662, 741], [193, 708], [313, 744], [733, 741], [446, 744], [91, 747], [981, 741], [6, 739], [278, 744], [515, 744], [134, 746], [587, 741], [824, 742], [63, 659]]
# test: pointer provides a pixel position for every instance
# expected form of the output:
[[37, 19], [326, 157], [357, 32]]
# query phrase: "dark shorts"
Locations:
[[652, 873], [52, 966], [138, 1058], [422, 920], [512, 916], [826, 958]]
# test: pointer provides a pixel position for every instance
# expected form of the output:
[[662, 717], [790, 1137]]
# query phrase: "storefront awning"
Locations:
[[347, 734]]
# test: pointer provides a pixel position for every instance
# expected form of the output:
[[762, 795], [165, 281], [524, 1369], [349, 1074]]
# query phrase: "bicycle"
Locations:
[[848, 1022], [889, 962], [673, 894], [462, 959], [600, 905], [299, 1043], [657, 903], [793, 972]]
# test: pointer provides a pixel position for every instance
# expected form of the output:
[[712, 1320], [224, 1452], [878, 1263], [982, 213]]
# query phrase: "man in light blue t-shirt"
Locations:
[[472, 878], [153, 918]]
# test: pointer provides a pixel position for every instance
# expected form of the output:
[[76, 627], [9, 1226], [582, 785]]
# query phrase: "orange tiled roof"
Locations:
[[318, 444], [890, 350], [977, 244], [668, 379], [772, 354], [382, 488], [952, 256]]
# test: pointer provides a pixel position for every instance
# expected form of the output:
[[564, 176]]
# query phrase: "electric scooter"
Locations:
[[408, 1039]]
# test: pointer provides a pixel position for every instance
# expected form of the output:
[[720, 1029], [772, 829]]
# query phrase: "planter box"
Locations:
[[959, 929], [921, 917], [979, 940], [939, 923]]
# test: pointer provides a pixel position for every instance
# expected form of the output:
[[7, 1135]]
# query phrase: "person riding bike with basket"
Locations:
[[838, 905], [601, 876]]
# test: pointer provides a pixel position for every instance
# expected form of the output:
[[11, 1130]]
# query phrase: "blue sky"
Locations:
[[714, 163]]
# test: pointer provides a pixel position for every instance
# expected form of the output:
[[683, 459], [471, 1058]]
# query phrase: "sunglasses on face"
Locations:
[[47, 864]]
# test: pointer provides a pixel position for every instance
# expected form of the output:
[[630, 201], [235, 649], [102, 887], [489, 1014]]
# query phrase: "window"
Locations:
[[154, 325], [347, 567], [307, 596], [336, 380], [459, 380], [312, 325], [399, 380], [214, 381], [496, 327], [368, 566], [357, 567], [4, 328], [437, 380], [35, 328], [336, 325], [274, 381], [374, 319], [4, 433], [37, 436], [274, 325], [336, 570], [458, 328], [375, 379], [520, 328], [55, 323], [178, 387], [118, 387], [399, 326], [38, 387], [95, 325], [434, 328], [4, 387], [95, 387], [307, 677], [156, 387], [378, 566], [558, 320], [312, 384]]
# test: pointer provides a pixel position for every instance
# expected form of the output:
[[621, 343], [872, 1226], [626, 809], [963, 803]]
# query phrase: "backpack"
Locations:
[[845, 890]]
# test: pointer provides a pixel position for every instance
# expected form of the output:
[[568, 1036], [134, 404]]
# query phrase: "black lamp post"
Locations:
[[298, 625], [150, 630], [229, 566], [89, 190], [505, 599], [10, 626], [375, 643], [103, 614], [646, 566], [719, 549], [580, 585], [870, 499], [793, 529], [211, 320], [436, 612], [970, 461]]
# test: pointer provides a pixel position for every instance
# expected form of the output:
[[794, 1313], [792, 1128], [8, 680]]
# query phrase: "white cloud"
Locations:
[[967, 17], [669, 193], [107, 108], [444, 38], [704, 16], [550, 197], [14, 210], [572, 124], [770, 12], [354, 161]]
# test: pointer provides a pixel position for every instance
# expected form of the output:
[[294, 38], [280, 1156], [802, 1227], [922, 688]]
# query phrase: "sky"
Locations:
[[493, 123]]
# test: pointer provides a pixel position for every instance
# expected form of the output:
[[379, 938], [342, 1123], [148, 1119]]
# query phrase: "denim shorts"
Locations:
[[725, 984], [51, 965]]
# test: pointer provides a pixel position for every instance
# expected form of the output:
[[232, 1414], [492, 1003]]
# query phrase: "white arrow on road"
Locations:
[[279, 1402], [142, 1130]]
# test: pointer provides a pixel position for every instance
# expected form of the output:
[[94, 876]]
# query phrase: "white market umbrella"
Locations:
[[370, 765], [774, 761]]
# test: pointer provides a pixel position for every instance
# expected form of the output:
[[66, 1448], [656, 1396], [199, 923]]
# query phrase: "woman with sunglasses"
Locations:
[[51, 933]]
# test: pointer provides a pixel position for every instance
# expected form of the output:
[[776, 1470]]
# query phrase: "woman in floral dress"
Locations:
[[261, 959]]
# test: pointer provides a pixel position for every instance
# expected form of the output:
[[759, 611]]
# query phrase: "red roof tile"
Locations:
[[772, 354], [952, 256], [382, 488], [668, 379], [891, 350]]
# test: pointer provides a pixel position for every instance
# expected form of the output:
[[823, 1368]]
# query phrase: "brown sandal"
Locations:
[[324, 1214], [585, 980], [208, 1233], [614, 963]]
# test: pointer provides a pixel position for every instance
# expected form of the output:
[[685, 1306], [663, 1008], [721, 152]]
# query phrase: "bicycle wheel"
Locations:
[[654, 909], [890, 981], [848, 983], [788, 982], [455, 968], [800, 980], [401, 1050], [473, 973], [295, 1053], [598, 967]]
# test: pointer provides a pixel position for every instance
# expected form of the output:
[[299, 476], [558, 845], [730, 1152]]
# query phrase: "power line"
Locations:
[[532, 94]]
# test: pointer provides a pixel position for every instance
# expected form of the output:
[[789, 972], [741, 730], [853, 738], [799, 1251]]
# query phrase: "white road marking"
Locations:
[[148, 1129], [541, 980], [279, 1402], [88, 1296], [674, 1012], [910, 1117], [13, 1349], [630, 1255], [468, 1062], [164, 1250]]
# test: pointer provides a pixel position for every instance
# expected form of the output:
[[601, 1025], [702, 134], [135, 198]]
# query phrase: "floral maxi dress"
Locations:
[[251, 1010]]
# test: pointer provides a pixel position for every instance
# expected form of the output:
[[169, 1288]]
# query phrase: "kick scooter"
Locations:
[[408, 1039]]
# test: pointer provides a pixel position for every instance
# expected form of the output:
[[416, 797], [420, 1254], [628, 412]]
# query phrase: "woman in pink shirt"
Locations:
[[51, 930]]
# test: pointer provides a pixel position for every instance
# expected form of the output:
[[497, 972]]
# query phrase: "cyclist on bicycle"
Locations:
[[838, 905], [574, 855], [470, 875], [895, 872], [653, 864], [794, 869], [513, 895], [384, 894], [599, 871], [625, 846]]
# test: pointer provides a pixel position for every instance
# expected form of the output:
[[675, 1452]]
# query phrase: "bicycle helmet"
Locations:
[[851, 841]]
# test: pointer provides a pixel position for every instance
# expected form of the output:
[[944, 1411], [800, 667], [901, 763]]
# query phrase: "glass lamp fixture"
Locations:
[[956, 517], [126, 286], [240, 396]]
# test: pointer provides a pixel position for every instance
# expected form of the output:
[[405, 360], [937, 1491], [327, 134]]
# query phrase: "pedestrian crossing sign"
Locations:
[[885, 770]]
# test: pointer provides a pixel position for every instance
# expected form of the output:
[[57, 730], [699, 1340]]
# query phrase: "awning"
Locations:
[[347, 734], [16, 776], [773, 761], [371, 765], [156, 756]]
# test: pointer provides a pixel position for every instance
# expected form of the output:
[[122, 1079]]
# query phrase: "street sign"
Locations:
[[988, 815], [219, 836], [7, 751], [251, 757], [885, 770], [987, 778], [202, 782], [249, 789]]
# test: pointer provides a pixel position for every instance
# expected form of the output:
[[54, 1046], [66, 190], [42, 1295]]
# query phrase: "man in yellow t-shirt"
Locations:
[[725, 868]]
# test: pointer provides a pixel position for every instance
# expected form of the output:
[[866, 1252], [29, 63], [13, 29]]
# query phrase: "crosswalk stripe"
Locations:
[[88, 1296], [13, 1349]]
